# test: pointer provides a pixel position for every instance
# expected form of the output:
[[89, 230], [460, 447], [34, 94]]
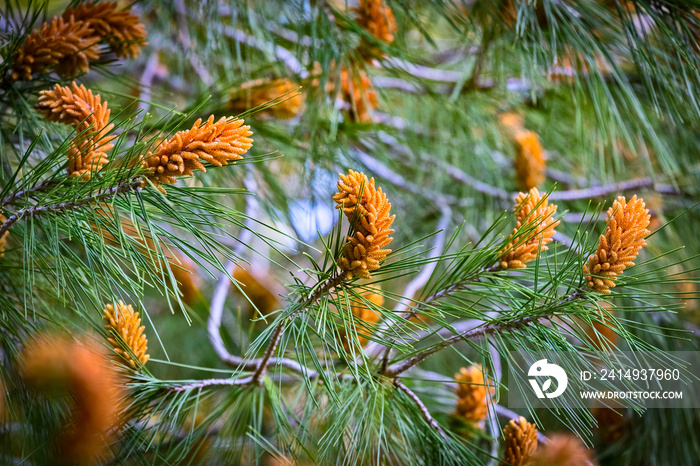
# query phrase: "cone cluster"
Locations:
[[217, 143], [122, 30], [367, 208], [357, 91], [78, 107], [619, 246], [122, 322], [68, 43], [378, 19], [530, 160], [533, 231]]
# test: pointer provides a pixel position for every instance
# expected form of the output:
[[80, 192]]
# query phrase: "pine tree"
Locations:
[[312, 232]]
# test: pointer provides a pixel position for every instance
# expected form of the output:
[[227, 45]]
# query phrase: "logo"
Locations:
[[542, 368]]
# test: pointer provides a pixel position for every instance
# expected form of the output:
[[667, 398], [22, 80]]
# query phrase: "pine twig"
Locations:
[[266, 359], [209, 383], [262, 366], [424, 72], [463, 284], [604, 190], [376, 347], [566, 195], [422, 278], [282, 54], [386, 82], [34, 189], [423, 409], [379, 169], [37, 211], [484, 188], [487, 329]]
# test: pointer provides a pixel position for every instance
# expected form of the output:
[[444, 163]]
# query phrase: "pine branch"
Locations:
[[26, 192], [497, 375], [423, 409], [375, 347], [415, 285], [275, 340], [265, 361], [386, 82], [210, 383], [216, 307], [102, 195], [445, 292], [381, 170], [424, 72], [261, 364], [461, 176], [462, 285], [565, 195], [622, 186], [487, 329]]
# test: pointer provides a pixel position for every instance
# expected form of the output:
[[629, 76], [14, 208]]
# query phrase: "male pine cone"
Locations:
[[80, 367], [619, 246], [530, 161], [533, 231], [472, 398], [122, 321], [520, 439], [564, 450], [368, 209], [68, 43], [122, 30], [216, 143], [378, 19], [78, 107], [285, 103]]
